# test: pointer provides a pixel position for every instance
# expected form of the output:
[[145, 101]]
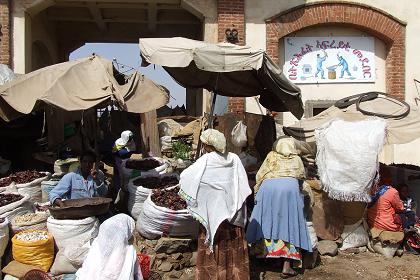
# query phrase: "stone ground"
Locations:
[[348, 267]]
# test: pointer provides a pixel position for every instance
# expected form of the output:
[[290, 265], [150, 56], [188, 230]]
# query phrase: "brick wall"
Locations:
[[363, 17], [231, 13], [5, 57]]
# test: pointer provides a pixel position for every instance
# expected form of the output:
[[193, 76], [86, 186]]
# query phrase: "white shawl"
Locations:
[[215, 188], [111, 257]]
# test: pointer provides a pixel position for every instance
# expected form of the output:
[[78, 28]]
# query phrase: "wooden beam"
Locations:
[[123, 20], [97, 16], [150, 133], [176, 2], [152, 17]]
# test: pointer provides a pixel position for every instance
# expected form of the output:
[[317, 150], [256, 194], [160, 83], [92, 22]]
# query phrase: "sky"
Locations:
[[129, 54]]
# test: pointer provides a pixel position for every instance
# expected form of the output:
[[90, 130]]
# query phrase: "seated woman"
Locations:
[[111, 256], [277, 228], [86, 182], [385, 204], [215, 188]]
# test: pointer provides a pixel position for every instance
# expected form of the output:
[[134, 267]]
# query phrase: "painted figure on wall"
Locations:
[[344, 66], [319, 61]]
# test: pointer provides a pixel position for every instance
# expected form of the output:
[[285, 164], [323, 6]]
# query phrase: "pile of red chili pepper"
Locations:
[[7, 198], [142, 164], [21, 177], [169, 199], [157, 182]]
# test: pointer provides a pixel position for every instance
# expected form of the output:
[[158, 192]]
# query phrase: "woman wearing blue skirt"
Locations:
[[277, 228]]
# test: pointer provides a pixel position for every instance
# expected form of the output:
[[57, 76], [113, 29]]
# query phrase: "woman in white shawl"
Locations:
[[111, 256], [215, 188]]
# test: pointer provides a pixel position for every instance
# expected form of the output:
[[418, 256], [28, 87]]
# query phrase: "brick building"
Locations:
[[38, 33]]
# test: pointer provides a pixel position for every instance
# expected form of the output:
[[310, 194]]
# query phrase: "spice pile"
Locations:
[[29, 218], [142, 164], [32, 236], [157, 182], [22, 177], [169, 199], [7, 198]]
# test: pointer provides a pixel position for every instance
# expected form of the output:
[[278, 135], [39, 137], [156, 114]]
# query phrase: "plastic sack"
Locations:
[[33, 189], [168, 127], [38, 222], [354, 236], [155, 221], [239, 138], [38, 253], [6, 74], [46, 188], [62, 265], [137, 195], [312, 234], [387, 250], [144, 261], [165, 143], [4, 236], [17, 208], [69, 232]]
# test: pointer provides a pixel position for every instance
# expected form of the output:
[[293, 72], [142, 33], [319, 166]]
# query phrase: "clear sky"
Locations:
[[129, 54]]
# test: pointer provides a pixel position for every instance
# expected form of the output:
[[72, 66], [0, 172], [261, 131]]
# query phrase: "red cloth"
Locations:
[[381, 214], [144, 261]]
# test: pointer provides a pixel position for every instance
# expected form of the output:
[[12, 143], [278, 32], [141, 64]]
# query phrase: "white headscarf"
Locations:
[[215, 138], [125, 141], [111, 257]]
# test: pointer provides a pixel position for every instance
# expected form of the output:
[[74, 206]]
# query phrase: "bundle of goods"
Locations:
[[14, 204], [169, 198], [29, 221], [47, 187], [27, 182], [140, 188], [34, 248], [165, 214]]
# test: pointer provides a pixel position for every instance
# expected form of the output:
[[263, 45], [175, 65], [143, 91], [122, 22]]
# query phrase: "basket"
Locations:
[[81, 208], [36, 274]]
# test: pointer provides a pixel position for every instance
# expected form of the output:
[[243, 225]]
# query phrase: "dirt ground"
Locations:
[[366, 266]]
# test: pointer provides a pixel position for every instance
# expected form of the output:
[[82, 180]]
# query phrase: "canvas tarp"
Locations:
[[80, 85], [226, 69], [399, 131]]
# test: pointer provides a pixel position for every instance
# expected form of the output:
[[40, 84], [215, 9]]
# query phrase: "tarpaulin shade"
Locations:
[[79, 85], [226, 69], [399, 131]]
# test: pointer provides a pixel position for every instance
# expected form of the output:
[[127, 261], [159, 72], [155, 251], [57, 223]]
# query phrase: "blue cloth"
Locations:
[[73, 186], [381, 190], [279, 214]]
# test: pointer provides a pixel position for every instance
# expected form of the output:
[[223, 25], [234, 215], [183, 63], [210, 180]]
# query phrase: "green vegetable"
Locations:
[[181, 150]]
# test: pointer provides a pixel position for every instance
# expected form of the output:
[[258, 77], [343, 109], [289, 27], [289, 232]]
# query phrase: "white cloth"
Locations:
[[347, 157], [215, 188], [215, 138], [111, 257]]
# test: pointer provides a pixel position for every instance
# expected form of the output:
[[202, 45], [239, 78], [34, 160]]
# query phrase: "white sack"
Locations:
[[39, 222], [169, 127], [239, 138], [70, 232], [347, 157], [354, 236], [312, 234], [17, 208], [165, 143], [137, 195], [155, 221], [33, 189], [4, 236]]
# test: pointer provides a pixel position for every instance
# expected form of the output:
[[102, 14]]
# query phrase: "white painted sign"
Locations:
[[329, 59]]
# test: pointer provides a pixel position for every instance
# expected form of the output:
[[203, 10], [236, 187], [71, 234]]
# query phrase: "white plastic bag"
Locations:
[[17, 208], [239, 138], [312, 234], [33, 189], [354, 236], [4, 236], [155, 221], [137, 195], [165, 143], [70, 232]]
